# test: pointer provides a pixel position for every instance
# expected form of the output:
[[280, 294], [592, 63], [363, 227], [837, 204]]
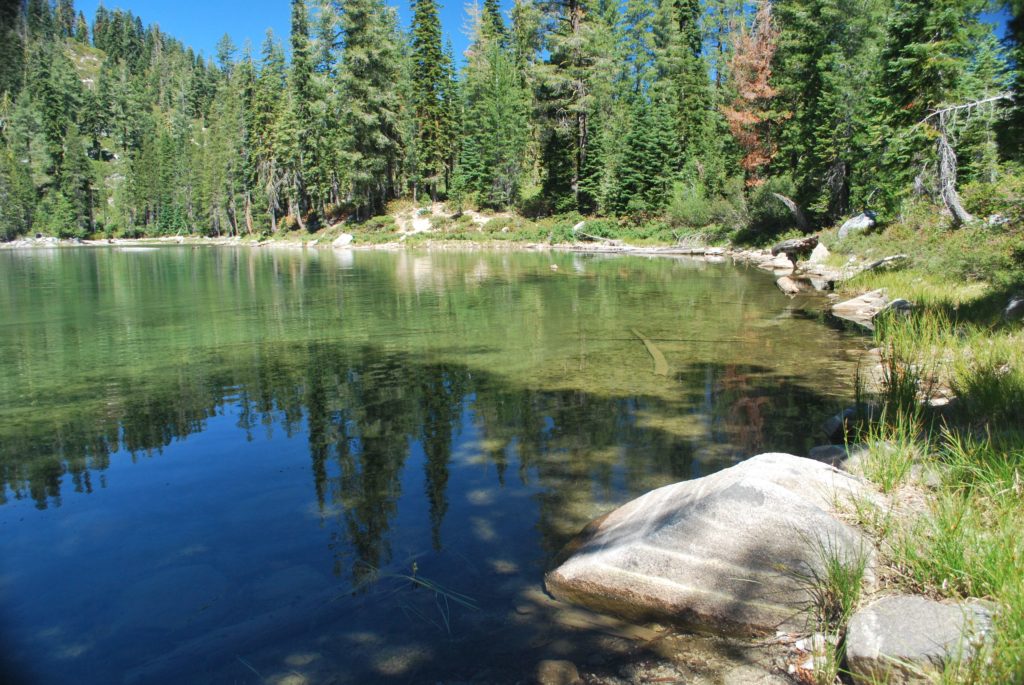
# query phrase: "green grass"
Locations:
[[834, 589], [963, 537], [966, 541]]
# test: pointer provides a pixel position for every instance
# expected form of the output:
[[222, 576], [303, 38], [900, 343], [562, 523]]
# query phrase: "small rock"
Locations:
[[833, 455], [819, 254], [343, 240], [558, 672], [909, 639], [837, 427], [859, 224], [862, 309], [898, 306], [778, 263]]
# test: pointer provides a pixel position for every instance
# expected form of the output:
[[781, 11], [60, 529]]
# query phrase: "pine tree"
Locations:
[[685, 79], [12, 49], [305, 177], [493, 24], [750, 116], [925, 62], [76, 182], [81, 29], [565, 100], [369, 75], [265, 122], [645, 174], [497, 115], [977, 149], [430, 75], [825, 65], [65, 18], [1012, 130]]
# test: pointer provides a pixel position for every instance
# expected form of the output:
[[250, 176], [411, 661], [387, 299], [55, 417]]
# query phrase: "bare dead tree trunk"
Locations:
[[947, 177], [248, 212], [794, 208], [947, 156]]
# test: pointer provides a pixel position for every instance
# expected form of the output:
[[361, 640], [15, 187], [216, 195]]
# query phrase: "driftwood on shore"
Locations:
[[891, 259]]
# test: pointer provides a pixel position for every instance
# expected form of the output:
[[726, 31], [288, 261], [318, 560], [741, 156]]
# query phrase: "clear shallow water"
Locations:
[[251, 466]]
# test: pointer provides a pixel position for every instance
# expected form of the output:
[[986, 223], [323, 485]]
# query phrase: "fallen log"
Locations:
[[885, 260], [660, 363]]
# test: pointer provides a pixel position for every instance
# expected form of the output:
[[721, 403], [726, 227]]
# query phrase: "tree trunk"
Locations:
[[794, 208], [947, 177], [248, 212]]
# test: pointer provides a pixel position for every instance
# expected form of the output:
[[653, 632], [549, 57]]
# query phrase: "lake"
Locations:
[[227, 465]]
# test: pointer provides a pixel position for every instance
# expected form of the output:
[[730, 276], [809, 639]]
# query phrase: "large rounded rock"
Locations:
[[911, 639], [729, 553], [859, 224]]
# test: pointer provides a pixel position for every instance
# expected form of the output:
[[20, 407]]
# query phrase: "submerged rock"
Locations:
[[728, 553], [558, 672], [787, 285], [911, 639]]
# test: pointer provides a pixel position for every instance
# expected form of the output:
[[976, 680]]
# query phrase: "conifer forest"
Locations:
[[721, 116]]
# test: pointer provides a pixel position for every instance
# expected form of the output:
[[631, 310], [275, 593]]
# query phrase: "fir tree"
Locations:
[[369, 75], [430, 75], [497, 114]]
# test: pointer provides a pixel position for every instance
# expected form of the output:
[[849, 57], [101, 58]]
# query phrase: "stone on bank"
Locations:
[[907, 639], [729, 554]]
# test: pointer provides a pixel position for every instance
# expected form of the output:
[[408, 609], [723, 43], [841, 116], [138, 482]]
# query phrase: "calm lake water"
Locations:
[[254, 466]]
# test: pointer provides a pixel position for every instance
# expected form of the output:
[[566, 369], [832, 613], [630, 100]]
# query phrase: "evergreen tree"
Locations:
[[76, 182], [12, 49], [826, 61], [926, 59], [304, 172], [430, 81], [565, 100], [493, 24], [645, 175], [65, 18], [497, 116], [369, 75], [266, 121], [685, 78]]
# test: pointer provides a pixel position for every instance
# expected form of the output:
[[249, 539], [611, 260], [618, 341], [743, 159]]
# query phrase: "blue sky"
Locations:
[[201, 23]]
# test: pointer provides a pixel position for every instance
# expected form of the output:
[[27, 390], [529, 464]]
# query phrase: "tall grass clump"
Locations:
[[834, 589], [892, 446], [988, 377], [914, 357]]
